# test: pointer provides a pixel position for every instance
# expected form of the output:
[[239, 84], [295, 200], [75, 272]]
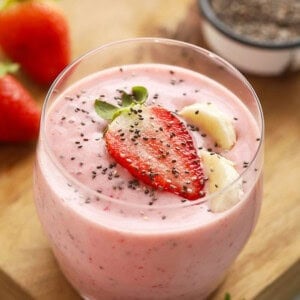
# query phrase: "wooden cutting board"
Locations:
[[268, 267]]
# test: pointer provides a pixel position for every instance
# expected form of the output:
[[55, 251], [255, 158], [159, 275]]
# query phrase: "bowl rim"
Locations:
[[209, 14]]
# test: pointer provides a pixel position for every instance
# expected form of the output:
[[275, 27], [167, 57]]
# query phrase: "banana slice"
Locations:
[[213, 121], [221, 173]]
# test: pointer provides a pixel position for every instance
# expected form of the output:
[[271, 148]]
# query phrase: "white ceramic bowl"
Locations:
[[262, 58]]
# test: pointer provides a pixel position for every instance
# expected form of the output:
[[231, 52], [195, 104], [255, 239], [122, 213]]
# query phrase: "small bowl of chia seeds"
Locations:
[[257, 36]]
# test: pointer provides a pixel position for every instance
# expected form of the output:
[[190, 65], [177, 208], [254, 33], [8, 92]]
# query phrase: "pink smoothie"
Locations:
[[116, 238]]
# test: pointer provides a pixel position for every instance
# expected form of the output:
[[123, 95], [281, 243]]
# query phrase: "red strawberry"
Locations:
[[19, 114], [156, 148], [36, 35]]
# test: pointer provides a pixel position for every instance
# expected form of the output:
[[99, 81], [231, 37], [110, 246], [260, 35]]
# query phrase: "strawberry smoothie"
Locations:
[[116, 237]]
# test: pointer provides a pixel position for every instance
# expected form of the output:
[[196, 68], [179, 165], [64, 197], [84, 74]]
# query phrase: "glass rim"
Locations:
[[149, 40]]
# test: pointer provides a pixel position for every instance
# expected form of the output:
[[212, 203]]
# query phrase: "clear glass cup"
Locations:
[[104, 260]]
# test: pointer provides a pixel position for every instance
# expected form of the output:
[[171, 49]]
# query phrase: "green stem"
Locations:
[[4, 4], [8, 68]]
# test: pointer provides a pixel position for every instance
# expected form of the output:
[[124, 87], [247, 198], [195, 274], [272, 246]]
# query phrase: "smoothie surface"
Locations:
[[75, 132]]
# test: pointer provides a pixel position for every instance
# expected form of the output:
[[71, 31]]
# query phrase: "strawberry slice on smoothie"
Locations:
[[153, 144]]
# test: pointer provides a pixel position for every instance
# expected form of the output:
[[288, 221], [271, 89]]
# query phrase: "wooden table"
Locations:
[[268, 267]]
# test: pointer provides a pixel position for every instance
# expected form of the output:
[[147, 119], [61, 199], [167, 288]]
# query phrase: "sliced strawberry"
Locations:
[[156, 148], [36, 35], [19, 114]]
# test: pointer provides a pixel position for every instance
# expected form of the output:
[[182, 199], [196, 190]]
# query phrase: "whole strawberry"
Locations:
[[153, 144], [19, 114], [36, 35]]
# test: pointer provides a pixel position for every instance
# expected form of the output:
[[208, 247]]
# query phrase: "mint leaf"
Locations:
[[140, 94], [127, 100], [105, 110], [227, 296], [109, 111]]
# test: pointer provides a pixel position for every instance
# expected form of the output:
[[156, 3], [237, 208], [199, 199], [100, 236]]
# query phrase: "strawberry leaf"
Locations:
[[106, 110]]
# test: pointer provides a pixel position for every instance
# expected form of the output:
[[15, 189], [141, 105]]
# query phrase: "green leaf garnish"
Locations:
[[105, 110], [140, 94], [227, 296], [109, 111], [127, 99]]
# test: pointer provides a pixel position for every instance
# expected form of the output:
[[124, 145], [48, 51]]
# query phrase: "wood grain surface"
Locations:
[[269, 266]]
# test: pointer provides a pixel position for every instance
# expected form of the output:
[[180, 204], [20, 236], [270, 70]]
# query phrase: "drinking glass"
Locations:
[[111, 249]]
